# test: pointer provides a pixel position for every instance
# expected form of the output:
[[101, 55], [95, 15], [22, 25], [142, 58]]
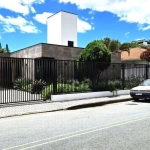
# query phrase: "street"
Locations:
[[120, 126]]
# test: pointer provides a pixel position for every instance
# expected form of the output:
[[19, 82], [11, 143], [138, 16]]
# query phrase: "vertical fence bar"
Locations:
[[93, 86], [146, 71], [55, 77], [123, 76]]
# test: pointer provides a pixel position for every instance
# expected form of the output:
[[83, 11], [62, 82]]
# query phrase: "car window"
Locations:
[[145, 83]]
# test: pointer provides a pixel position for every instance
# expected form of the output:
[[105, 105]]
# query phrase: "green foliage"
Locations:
[[26, 88], [21, 83], [61, 79], [133, 81], [37, 86], [107, 85], [143, 46], [95, 51], [134, 45], [47, 92], [114, 45], [74, 86], [125, 46], [106, 41], [2, 50], [64, 88]]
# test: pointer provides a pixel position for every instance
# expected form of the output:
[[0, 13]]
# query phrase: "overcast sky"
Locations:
[[23, 22]]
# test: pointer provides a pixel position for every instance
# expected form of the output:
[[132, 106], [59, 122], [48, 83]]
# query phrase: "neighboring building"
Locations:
[[133, 64], [132, 56], [144, 42]]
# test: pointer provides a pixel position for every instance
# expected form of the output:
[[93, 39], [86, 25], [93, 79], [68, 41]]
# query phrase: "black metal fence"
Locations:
[[24, 79]]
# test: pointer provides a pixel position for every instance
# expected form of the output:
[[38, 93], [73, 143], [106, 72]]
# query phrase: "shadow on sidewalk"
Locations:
[[23, 103]]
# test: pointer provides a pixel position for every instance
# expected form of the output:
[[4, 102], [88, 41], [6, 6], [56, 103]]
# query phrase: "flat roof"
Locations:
[[61, 11]]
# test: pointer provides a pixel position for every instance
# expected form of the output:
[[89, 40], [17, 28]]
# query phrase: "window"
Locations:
[[70, 43]]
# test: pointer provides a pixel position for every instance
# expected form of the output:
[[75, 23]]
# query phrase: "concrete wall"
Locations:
[[116, 57], [50, 51], [4, 54], [54, 29], [114, 70], [29, 52], [28, 64], [60, 52]]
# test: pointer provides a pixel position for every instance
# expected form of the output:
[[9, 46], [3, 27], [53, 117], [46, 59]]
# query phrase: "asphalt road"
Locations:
[[121, 126]]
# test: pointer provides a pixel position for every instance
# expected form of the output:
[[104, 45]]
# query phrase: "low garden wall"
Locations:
[[79, 96]]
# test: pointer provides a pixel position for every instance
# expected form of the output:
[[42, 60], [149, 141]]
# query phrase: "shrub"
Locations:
[[133, 81], [111, 87], [61, 79], [21, 82], [37, 86], [61, 88], [64, 88], [26, 88], [116, 83], [82, 88], [47, 92]]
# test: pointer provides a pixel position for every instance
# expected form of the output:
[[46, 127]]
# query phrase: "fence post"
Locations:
[[146, 71], [93, 73], [55, 78], [123, 76]]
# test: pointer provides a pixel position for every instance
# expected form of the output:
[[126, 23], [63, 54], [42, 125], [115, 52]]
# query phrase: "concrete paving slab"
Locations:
[[24, 108]]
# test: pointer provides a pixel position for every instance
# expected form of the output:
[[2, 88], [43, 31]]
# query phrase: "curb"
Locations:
[[98, 104], [101, 103]]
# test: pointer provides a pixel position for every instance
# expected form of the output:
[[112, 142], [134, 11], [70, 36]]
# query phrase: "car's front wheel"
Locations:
[[136, 99]]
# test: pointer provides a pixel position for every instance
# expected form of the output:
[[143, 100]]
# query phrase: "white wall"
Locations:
[[79, 96], [69, 28], [61, 28], [54, 29]]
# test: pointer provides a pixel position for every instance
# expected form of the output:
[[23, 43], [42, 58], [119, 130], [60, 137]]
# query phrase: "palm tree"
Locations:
[[7, 49], [106, 41]]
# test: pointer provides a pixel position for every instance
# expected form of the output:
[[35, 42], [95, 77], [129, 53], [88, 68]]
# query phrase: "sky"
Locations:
[[23, 22]]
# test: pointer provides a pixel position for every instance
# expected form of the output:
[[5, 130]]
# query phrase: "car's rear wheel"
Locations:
[[136, 99]]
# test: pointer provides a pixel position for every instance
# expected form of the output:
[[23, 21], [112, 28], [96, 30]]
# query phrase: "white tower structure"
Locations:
[[62, 29]]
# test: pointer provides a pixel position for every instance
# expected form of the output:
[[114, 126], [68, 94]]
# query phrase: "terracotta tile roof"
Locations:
[[133, 55]]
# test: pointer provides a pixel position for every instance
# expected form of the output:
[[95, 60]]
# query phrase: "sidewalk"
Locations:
[[32, 107]]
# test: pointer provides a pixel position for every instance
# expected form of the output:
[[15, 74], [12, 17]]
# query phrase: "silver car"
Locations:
[[142, 91]]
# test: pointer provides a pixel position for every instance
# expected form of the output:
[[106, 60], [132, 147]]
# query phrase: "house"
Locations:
[[133, 63], [143, 41], [37, 61], [132, 56]]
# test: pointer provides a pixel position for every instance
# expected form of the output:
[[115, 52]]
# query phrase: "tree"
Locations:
[[90, 60], [125, 46], [7, 49], [95, 51], [107, 41], [114, 45], [2, 50], [145, 56]]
